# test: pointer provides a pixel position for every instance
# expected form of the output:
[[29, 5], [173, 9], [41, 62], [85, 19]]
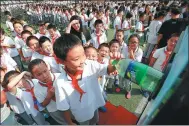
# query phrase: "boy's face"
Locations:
[[41, 27], [119, 36], [115, 47], [34, 45], [103, 52], [52, 32], [25, 36], [18, 28], [172, 43], [75, 58], [30, 29], [42, 73], [9, 17], [91, 54], [99, 27], [47, 47]]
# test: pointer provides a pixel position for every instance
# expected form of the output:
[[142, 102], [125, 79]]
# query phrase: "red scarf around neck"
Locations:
[[49, 85], [75, 82]]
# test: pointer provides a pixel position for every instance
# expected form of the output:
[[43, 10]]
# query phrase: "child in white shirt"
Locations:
[[33, 43], [9, 23], [44, 88], [8, 45], [153, 33], [42, 30], [81, 91], [123, 45], [22, 88], [98, 36], [91, 53], [52, 33], [139, 29], [19, 43], [48, 53], [118, 21], [127, 26], [161, 56]]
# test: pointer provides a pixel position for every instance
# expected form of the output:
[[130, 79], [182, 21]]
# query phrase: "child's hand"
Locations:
[[116, 56], [74, 22], [51, 92]]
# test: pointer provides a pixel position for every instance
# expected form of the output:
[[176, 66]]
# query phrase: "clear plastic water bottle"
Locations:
[[83, 38]]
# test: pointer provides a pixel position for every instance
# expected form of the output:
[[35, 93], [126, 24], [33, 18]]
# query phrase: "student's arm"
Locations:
[[113, 56], [47, 100], [8, 45], [21, 54], [152, 61], [15, 80]]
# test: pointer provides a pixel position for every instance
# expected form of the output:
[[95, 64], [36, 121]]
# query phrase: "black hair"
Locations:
[[27, 26], [119, 11], [134, 35], [34, 63], [129, 15], [174, 35], [17, 22], [26, 32], [90, 47], [7, 13], [113, 41], [82, 9], [119, 30], [98, 21], [2, 31], [175, 11], [43, 39], [64, 43], [40, 23], [29, 39], [51, 26], [75, 17], [141, 14], [8, 76], [103, 45]]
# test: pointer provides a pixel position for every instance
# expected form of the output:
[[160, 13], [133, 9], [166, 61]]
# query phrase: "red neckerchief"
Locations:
[[4, 48], [75, 84], [98, 38], [19, 36], [167, 53], [33, 97], [54, 38], [101, 62], [49, 85]]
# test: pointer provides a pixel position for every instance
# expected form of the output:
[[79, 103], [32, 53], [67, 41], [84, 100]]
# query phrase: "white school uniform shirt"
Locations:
[[11, 51], [27, 101], [36, 55], [159, 54], [126, 25], [139, 26], [8, 61], [153, 31], [117, 22], [92, 23], [106, 21], [138, 53], [94, 41], [123, 49], [10, 25], [84, 23], [68, 98], [41, 93], [5, 111], [38, 35], [15, 104], [55, 68], [91, 15]]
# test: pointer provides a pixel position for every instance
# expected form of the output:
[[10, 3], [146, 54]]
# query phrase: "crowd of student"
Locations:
[[68, 74]]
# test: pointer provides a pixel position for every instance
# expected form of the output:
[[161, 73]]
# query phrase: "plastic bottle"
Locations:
[[83, 38], [141, 74]]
